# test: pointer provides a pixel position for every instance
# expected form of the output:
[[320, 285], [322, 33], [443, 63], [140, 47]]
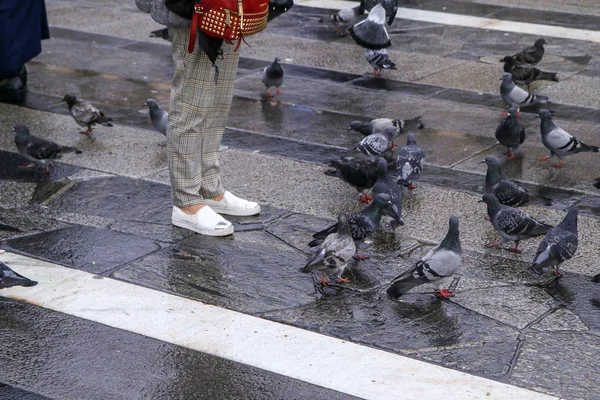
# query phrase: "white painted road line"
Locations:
[[318, 359], [472, 22]]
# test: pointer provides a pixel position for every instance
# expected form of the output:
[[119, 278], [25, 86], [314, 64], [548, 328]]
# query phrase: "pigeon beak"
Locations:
[[480, 201], [145, 104], [482, 162]]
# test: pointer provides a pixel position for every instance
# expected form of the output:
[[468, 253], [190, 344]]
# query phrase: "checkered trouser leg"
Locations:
[[198, 113]]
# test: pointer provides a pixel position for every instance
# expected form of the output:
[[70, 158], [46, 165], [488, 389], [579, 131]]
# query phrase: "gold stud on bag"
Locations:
[[229, 19]]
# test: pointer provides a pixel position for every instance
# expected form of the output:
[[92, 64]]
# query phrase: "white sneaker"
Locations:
[[205, 222], [233, 205]]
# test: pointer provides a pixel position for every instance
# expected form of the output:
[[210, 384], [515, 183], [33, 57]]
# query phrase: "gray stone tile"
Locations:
[[248, 271], [561, 320], [90, 249], [516, 306], [543, 360], [16, 194], [14, 223], [578, 90]]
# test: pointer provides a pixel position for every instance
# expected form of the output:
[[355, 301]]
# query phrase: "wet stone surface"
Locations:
[[11, 163], [420, 325], [89, 249], [249, 272], [12, 393], [15, 223]]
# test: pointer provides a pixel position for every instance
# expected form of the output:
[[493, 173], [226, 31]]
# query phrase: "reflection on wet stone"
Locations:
[[11, 163]]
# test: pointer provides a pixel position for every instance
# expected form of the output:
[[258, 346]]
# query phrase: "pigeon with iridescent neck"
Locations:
[[387, 184], [379, 60], [159, 118], [507, 191], [517, 97], [409, 162], [511, 133], [273, 76], [85, 114], [559, 245], [533, 54]]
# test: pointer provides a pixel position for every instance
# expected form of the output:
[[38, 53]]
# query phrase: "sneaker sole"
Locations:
[[206, 232], [245, 213]]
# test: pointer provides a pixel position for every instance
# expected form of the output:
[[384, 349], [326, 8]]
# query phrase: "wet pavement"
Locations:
[[107, 210]]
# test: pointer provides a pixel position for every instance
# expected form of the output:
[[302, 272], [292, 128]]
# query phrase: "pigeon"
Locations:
[[441, 262], [159, 118], [362, 223], [387, 184], [597, 183], [379, 60], [85, 114], [409, 162], [273, 76], [9, 278], [524, 74], [371, 32], [379, 142], [512, 223], [161, 33], [358, 170], [345, 18], [559, 245], [507, 191], [510, 133], [334, 253], [278, 7], [390, 7], [531, 55], [379, 124], [558, 141], [38, 150], [517, 97]]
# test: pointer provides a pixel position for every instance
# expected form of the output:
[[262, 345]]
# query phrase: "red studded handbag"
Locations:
[[229, 20]]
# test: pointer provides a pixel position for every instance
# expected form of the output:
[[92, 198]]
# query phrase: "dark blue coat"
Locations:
[[23, 25]]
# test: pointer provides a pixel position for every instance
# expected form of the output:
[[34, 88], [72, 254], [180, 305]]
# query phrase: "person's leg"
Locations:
[[192, 93]]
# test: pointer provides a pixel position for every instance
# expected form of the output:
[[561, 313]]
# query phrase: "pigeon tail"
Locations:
[[402, 286], [66, 149], [585, 147], [548, 76], [412, 123], [537, 268]]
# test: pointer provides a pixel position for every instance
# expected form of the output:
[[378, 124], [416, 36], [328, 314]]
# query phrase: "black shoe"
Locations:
[[13, 85]]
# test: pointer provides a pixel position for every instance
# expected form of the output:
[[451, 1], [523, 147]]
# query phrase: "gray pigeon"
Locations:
[[524, 74], [409, 162], [379, 124], [38, 150], [371, 32], [273, 76], [507, 191], [390, 7], [378, 143], [559, 245], [441, 262], [531, 55], [334, 253], [559, 142], [85, 114], [9, 278], [345, 18], [159, 118], [517, 97], [362, 223], [387, 184], [359, 170], [512, 223], [510, 133], [379, 60]]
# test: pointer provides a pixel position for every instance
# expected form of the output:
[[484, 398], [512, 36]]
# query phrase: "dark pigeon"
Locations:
[[335, 252], [559, 245], [159, 118], [387, 184], [362, 223], [531, 55], [273, 76], [358, 170], [510, 133], [371, 33], [516, 97], [378, 143], [597, 183], [512, 223], [161, 33], [441, 262], [507, 191], [85, 114], [558, 141], [524, 74], [9, 278], [409, 162], [379, 60], [390, 7], [38, 150]]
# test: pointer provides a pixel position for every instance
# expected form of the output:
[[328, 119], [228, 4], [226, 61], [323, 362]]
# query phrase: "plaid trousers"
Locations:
[[198, 112]]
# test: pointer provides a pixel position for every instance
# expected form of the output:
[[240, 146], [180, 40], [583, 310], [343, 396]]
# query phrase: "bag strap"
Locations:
[[195, 23]]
